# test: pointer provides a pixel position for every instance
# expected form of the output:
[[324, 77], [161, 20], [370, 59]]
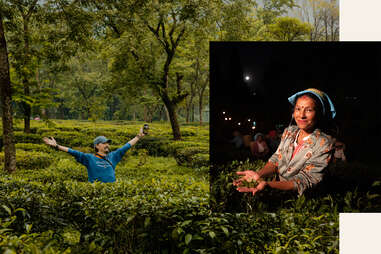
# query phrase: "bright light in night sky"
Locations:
[[247, 78]]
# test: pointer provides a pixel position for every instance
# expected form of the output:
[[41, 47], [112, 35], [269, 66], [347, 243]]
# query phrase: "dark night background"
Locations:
[[349, 72]]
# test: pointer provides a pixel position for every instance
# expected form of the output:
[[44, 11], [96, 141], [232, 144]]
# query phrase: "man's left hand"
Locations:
[[140, 134]]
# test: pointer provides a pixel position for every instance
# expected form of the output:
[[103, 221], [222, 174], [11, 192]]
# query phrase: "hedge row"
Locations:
[[152, 217], [189, 153], [34, 147], [31, 159]]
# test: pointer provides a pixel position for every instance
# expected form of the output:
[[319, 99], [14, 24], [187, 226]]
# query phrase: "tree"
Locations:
[[21, 49], [236, 21], [86, 79], [6, 103], [39, 33], [271, 9], [330, 17], [198, 75], [289, 29], [161, 27], [323, 15], [202, 92]]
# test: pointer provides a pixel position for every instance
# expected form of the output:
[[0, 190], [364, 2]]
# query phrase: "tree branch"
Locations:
[[179, 77], [179, 37], [30, 10], [156, 32], [179, 98]]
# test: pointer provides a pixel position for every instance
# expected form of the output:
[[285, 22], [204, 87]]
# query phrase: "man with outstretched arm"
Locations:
[[100, 165]]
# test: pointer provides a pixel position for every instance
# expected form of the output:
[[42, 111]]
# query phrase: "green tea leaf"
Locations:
[[226, 231], [7, 209], [188, 238]]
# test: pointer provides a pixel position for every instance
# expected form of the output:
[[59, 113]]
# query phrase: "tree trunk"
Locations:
[[163, 113], [201, 94], [200, 109], [172, 116], [189, 106], [6, 105], [26, 106], [42, 109], [145, 114], [166, 113], [187, 114]]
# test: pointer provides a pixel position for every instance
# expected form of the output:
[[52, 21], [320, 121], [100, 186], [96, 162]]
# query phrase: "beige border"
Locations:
[[360, 233], [360, 20]]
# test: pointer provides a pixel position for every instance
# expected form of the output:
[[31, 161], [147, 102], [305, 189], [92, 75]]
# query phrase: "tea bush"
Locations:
[[338, 189], [27, 242], [192, 157], [30, 159], [33, 147], [161, 202], [21, 137]]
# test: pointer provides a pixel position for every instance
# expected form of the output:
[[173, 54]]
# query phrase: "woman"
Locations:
[[304, 150]]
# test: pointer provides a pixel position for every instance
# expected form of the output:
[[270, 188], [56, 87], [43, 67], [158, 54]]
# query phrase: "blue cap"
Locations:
[[325, 101], [101, 139]]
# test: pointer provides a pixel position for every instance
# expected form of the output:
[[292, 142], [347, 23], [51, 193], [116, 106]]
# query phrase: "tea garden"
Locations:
[[162, 201]]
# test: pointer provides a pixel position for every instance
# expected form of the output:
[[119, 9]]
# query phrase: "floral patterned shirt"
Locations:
[[306, 167]]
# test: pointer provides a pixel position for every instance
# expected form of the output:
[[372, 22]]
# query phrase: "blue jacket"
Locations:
[[100, 169]]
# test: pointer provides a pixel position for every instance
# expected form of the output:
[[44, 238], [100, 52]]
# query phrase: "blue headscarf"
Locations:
[[327, 105]]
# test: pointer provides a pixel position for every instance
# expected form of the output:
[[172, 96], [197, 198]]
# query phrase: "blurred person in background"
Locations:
[[339, 152], [237, 139], [258, 147]]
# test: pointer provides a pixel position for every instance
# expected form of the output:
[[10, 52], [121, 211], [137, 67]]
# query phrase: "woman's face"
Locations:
[[305, 113]]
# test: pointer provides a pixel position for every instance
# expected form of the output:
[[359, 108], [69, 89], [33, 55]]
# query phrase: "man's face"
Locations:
[[103, 147]]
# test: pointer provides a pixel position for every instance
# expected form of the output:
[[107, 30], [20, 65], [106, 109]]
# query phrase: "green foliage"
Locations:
[[86, 81], [355, 190], [31, 159], [289, 29], [33, 147], [21, 137], [272, 9], [192, 157], [132, 211], [39, 36], [159, 206], [26, 242]]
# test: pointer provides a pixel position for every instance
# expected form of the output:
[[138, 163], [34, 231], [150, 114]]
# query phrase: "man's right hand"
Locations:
[[50, 141]]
